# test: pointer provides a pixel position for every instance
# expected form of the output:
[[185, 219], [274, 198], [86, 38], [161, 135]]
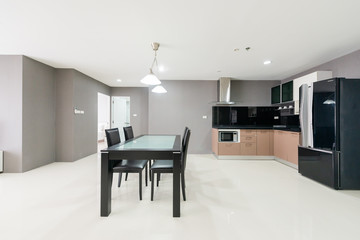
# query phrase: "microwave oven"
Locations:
[[229, 135]]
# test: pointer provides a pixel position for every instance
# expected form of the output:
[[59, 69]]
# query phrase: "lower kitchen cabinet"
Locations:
[[229, 148], [293, 143], [281, 144], [286, 145], [264, 143], [248, 148]]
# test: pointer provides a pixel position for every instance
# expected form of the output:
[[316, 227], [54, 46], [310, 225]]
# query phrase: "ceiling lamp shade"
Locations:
[[150, 79], [159, 89]]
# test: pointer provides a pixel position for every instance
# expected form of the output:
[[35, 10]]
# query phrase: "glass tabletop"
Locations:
[[150, 142]]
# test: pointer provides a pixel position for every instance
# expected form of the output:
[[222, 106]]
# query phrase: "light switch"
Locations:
[[134, 115], [204, 117]]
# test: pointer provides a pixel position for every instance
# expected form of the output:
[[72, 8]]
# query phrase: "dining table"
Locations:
[[148, 146]]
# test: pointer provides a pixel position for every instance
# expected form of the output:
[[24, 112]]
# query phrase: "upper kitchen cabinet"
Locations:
[[307, 79], [275, 95], [287, 92]]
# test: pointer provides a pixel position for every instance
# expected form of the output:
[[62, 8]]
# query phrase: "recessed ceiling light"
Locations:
[[118, 80], [267, 62]]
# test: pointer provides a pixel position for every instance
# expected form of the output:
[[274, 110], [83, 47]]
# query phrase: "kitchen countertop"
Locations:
[[275, 127]]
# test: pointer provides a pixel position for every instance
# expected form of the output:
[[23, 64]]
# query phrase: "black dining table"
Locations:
[[149, 146]]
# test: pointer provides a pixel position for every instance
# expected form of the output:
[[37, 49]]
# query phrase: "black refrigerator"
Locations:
[[330, 128]]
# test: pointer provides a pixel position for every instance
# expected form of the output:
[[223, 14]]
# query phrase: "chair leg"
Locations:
[[119, 182], [183, 185], [152, 186], [146, 175], [126, 176], [157, 179], [149, 169], [140, 185]]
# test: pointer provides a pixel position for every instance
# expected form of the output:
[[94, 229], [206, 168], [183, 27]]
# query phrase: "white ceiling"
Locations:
[[110, 39]]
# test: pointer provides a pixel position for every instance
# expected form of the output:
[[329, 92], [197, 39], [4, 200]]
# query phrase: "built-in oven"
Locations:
[[229, 135]]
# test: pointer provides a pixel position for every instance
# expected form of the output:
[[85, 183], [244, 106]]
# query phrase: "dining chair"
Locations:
[[167, 166], [129, 134], [126, 166], [182, 144]]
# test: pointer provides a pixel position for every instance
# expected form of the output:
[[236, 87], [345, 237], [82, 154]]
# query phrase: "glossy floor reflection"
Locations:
[[226, 200]]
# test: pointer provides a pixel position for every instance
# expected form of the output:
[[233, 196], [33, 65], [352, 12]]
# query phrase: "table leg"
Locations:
[[106, 183], [176, 185]]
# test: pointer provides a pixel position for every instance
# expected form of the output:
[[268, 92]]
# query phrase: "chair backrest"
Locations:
[[112, 136], [128, 132], [183, 140], [185, 149]]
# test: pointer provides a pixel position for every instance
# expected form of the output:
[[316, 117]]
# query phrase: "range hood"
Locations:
[[224, 85]]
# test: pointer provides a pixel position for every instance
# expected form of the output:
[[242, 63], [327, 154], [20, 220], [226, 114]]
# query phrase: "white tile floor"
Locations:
[[226, 200]]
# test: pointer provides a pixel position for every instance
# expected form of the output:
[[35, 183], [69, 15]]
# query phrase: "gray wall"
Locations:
[[252, 93], [139, 98], [76, 135], [11, 112], [347, 66], [184, 105], [64, 79], [85, 126], [38, 120]]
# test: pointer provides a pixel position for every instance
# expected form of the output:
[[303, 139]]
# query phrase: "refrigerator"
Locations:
[[330, 128]]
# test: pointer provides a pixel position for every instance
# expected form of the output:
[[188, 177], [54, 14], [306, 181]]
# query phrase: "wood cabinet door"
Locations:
[[215, 141], [263, 142], [293, 143], [283, 145], [229, 148], [250, 138], [247, 132], [276, 143], [271, 142], [248, 149]]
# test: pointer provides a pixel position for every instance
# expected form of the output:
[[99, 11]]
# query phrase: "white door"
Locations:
[[103, 116], [120, 114]]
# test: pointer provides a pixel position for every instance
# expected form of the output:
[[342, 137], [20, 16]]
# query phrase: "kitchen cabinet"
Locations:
[[248, 142], [287, 92], [261, 142], [248, 148], [229, 148], [307, 79], [264, 143], [214, 141], [286, 145], [275, 95], [280, 144], [293, 140]]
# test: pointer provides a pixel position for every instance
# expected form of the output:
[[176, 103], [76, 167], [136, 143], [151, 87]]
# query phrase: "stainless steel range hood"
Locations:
[[224, 85]]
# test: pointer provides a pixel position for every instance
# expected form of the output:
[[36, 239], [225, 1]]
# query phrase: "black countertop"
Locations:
[[275, 127]]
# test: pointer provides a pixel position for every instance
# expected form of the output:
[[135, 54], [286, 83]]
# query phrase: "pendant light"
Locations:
[[159, 89], [151, 79]]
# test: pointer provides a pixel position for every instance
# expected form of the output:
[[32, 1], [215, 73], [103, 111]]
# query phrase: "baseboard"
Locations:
[[286, 163], [235, 157]]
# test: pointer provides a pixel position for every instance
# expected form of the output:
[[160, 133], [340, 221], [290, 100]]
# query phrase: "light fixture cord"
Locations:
[[155, 61]]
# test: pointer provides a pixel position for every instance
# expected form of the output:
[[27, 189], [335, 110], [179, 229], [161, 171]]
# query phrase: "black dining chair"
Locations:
[[126, 166], [182, 142], [167, 166], [129, 134]]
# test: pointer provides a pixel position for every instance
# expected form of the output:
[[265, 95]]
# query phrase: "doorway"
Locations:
[[120, 114], [103, 119]]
